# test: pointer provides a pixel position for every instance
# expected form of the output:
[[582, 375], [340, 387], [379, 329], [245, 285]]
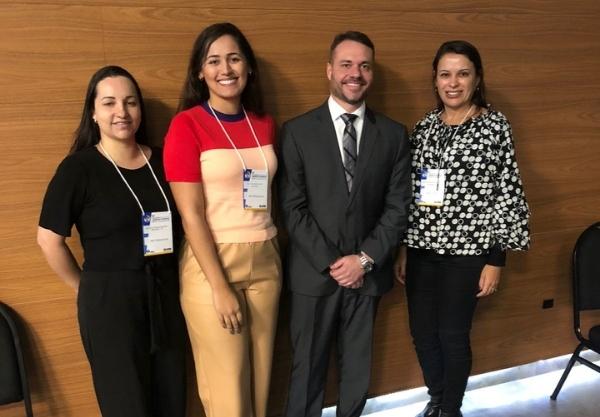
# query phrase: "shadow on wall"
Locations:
[[387, 85], [158, 117]]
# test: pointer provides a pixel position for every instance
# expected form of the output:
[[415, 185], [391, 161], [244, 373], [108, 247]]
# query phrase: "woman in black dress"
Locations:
[[127, 288]]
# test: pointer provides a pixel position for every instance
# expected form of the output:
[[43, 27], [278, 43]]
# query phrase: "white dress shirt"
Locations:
[[336, 112]]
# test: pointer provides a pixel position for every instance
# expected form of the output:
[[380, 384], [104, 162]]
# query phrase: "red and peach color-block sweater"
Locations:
[[197, 150]]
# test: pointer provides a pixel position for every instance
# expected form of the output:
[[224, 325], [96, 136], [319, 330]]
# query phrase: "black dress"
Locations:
[[130, 320]]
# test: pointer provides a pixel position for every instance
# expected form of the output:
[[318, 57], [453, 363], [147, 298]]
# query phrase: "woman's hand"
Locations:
[[190, 202], [228, 310], [400, 266], [489, 280]]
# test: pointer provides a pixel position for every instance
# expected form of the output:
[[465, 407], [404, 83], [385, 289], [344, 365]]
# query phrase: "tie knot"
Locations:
[[348, 118]]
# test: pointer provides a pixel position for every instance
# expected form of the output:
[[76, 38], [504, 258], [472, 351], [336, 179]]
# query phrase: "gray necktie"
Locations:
[[349, 145]]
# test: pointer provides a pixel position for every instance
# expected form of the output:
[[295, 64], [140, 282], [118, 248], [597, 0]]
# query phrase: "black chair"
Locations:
[[14, 386], [586, 296]]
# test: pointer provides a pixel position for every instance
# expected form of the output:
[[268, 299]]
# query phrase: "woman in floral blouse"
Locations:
[[468, 209]]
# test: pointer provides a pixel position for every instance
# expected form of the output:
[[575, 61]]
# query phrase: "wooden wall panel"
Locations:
[[48, 52], [534, 7], [540, 58]]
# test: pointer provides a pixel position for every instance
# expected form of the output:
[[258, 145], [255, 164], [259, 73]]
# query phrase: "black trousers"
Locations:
[[133, 378], [315, 322], [441, 292]]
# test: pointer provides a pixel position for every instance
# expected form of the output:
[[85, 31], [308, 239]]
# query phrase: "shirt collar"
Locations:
[[336, 110]]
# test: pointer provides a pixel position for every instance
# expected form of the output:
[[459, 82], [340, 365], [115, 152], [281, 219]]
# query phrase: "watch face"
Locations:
[[366, 265]]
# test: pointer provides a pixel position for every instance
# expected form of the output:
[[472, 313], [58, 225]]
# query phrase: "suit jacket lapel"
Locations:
[[368, 141], [326, 133]]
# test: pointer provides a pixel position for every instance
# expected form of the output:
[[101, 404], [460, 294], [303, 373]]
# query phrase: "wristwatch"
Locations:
[[365, 262]]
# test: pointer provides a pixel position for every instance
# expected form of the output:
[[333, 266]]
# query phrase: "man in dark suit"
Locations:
[[344, 189]]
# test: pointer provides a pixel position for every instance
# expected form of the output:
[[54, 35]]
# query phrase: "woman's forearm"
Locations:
[[59, 257]]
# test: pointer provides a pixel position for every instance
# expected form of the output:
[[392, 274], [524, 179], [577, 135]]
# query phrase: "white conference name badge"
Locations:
[[433, 185], [157, 230], [256, 189]]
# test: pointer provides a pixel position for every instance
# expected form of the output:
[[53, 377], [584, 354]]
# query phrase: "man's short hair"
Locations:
[[350, 35]]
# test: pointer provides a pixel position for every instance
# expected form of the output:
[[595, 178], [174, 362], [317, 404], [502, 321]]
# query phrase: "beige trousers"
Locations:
[[233, 371]]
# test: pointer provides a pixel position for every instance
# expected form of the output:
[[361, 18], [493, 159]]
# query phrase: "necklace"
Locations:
[[467, 114], [426, 141]]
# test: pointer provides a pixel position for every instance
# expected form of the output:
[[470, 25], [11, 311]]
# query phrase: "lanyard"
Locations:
[[426, 141], [127, 184], [231, 141]]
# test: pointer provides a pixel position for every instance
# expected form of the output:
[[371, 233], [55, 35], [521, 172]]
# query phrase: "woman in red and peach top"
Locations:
[[219, 161]]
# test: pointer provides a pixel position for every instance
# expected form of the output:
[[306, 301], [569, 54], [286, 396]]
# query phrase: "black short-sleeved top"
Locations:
[[87, 191]]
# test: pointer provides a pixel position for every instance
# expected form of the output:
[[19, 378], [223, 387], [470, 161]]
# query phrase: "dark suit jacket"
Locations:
[[323, 220]]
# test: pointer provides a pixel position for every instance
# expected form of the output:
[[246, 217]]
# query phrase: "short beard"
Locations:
[[340, 95]]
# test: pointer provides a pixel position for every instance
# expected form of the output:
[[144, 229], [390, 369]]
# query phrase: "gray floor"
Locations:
[[516, 392]]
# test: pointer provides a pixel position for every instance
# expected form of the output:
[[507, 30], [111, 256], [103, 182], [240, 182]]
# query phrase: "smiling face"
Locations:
[[456, 81], [225, 71], [117, 110], [350, 73]]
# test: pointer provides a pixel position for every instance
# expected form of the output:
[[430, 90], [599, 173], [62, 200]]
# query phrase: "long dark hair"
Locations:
[[88, 133], [467, 49], [195, 91]]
